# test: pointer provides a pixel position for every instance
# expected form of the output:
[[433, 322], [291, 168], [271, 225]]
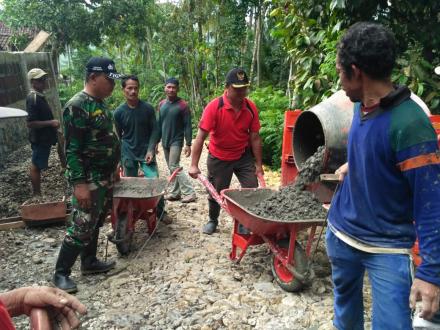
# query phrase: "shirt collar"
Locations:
[[395, 97], [227, 104], [176, 100], [38, 93]]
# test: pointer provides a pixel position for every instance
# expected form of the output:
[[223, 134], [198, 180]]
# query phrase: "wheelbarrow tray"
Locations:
[[39, 214], [143, 188], [239, 201]]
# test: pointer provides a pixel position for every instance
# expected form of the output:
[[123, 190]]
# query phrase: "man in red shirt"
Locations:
[[232, 123]]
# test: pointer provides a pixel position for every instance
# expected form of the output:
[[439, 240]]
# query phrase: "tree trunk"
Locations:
[[55, 56], [289, 90], [148, 50], [217, 51], [256, 38], [258, 59]]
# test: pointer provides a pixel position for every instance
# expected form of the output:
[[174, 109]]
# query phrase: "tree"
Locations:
[[70, 22], [309, 31]]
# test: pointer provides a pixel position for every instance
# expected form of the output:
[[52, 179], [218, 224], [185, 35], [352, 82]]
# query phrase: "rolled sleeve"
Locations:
[[207, 122]]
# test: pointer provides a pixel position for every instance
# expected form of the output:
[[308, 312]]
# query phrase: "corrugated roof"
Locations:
[[6, 33]]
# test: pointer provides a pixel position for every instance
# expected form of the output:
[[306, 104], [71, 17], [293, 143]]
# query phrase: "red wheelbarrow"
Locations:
[[291, 266], [135, 198]]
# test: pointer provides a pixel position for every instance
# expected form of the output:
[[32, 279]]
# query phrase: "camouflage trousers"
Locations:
[[83, 224]]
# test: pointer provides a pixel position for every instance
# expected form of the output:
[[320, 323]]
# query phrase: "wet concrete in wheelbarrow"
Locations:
[[292, 202], [139, 187]]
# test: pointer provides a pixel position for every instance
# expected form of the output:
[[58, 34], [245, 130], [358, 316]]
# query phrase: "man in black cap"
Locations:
[[92, 152], [42, 126], [232, 122]]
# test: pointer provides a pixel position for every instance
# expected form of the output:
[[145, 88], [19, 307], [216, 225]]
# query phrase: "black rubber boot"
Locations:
[[63, 267], [89, 263], [210, 226]]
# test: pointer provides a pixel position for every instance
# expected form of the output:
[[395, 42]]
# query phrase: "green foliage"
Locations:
[[71, 22], [416, 73], [310, 30], [271, 105], [198, 41], [68, 89]]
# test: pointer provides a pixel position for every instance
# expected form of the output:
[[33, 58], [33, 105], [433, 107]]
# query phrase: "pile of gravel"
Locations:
[[15, 183]]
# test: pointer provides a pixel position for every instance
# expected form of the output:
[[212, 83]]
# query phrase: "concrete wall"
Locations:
[[14, 87], [13, 131]]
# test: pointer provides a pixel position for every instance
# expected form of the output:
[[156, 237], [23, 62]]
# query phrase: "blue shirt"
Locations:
[[392, 190]]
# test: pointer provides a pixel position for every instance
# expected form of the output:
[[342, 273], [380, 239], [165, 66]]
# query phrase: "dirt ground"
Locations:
[[181, 279]]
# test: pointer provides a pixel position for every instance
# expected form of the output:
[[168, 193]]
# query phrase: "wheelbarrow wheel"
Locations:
[[285, 279], [123, 237]]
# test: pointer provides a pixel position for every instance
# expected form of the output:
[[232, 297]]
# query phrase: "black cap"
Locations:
[[173, 81], [103, 65], [238, 78]]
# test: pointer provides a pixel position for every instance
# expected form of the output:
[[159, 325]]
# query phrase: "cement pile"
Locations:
[[15, 183], [139, 187], [293, 202]]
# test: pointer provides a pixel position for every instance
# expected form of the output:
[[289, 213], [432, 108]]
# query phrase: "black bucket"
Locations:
[[327, 123]]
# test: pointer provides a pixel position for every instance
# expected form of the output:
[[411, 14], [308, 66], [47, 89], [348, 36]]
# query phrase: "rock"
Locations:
[[182, 279], [267, 289], [237, 276], [37, 260]]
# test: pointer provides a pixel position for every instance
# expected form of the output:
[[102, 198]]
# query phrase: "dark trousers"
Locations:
[[220, 175]]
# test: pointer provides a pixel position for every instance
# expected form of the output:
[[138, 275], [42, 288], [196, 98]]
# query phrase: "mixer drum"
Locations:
[[327, 123]]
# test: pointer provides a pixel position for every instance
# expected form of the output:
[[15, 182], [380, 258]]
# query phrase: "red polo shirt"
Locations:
[[229, 131], [5, 319]]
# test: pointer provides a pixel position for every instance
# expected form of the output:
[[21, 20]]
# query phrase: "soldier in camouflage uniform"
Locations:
[[92, 151]]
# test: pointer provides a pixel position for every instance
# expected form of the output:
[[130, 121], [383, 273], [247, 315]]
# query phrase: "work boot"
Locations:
[[189, 199], [166, 219], [63, 267], [210, 226], [172, 198], [89, 263]]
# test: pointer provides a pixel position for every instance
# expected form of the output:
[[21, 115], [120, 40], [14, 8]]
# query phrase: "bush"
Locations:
[[271, 105]]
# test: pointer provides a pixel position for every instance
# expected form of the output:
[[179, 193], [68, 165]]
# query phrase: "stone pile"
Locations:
[[15, 185], [182, 279]]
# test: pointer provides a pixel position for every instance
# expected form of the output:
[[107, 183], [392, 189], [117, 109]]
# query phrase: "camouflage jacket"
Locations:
[[92, 147]]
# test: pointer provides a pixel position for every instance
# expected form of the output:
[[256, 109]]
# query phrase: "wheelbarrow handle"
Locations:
[[39, 319], [261, 180], [205, 182], [174, 174]]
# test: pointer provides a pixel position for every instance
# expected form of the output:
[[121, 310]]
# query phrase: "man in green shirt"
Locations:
[[136, 125], [175, 127]]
